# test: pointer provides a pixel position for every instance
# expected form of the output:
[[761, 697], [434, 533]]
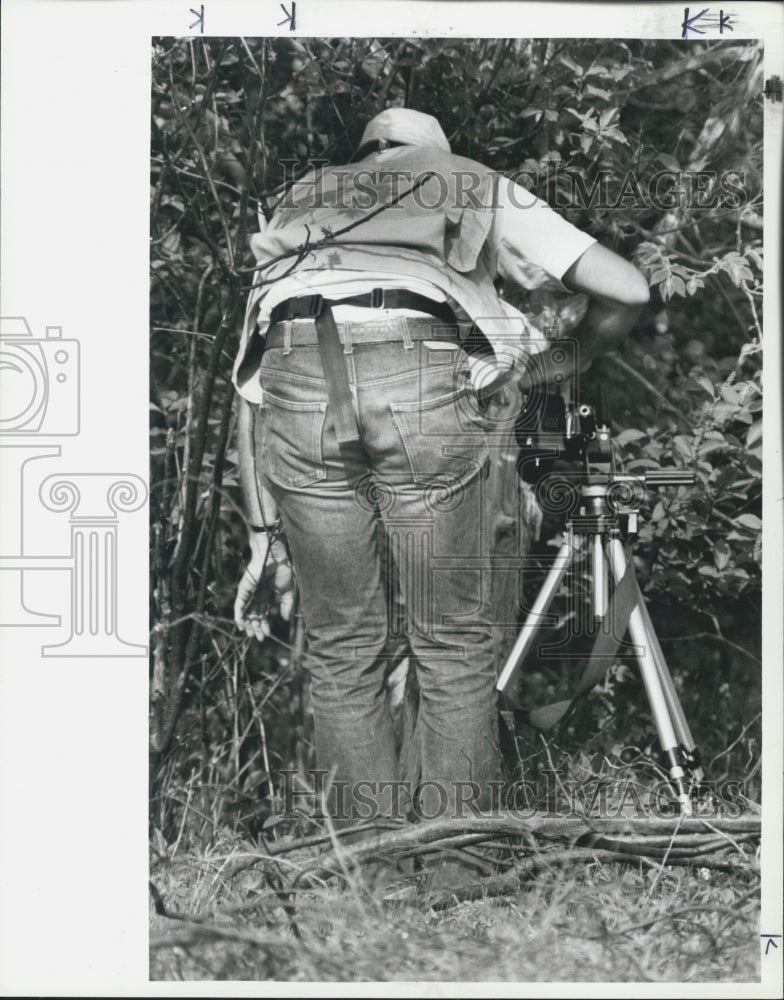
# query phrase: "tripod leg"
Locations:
[[681, 726], [642, 635], [543, 601], [600, 589]]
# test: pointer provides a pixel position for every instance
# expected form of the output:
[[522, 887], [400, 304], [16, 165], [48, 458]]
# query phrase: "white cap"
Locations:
[[412, 128]]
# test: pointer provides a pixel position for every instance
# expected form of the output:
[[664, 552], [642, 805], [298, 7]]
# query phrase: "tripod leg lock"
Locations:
[[677, 761]]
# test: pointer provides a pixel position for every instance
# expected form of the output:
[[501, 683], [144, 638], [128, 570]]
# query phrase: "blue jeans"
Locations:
[[389, 542]]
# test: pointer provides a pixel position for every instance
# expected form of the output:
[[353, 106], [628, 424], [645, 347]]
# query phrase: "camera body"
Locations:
[[550, 429], [39, 381]]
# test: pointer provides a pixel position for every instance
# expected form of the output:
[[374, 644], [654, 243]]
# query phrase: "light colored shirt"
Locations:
[[522, 235], [525, 231]]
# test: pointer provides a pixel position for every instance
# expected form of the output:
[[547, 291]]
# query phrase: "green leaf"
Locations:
[[684, 446], [648, 253], [708, 447], [607, 116], [628, 435], [590, 91], [733, 393], [721, 554], [598, 70], [616, 135], [669, 162], [723, 411], [736, 267], [673, 286], [700, 384], [755, 256], [749, 521], [567, 61]]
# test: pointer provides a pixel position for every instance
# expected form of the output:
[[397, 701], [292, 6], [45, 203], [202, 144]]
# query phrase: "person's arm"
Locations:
[[268, 556], [528, 232], [617, 292], [260, 506]]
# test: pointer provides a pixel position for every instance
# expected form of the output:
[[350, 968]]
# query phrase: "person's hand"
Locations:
[[268, 575]]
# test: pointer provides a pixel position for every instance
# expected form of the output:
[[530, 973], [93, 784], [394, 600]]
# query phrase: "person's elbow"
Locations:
[[607, 277], [634, 292], [629, 291]]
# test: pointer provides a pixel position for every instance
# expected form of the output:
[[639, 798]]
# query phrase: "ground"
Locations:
[[578, 919]]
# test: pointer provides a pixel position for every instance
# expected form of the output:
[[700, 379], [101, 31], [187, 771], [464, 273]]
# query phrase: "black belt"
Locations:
[[330, 350], [311, 306]]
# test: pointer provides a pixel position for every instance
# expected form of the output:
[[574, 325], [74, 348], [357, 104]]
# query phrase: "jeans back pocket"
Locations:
[[443, 444], [293, 435]]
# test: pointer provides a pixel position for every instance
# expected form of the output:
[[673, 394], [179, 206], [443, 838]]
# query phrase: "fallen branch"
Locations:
[[193, 932], [523, 846], [623, 837]]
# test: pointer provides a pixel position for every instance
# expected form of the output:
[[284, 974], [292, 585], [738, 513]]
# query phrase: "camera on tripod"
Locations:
[[547, 429], [566, 451], [553, 433]]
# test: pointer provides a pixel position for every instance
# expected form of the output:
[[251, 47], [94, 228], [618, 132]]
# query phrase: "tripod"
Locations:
[[608, 511]]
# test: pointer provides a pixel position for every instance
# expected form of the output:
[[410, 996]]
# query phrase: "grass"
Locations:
[[582, 920], [577, 922]]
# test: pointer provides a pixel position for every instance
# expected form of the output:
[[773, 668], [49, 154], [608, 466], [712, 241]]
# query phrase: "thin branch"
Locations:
[[207, 171], [714, 636], [196, 177], [718, 54], [737, 740], [718, 283], [753, 307], [633, 373]]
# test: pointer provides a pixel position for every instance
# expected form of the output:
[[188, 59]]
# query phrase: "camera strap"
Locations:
[[333, 363]]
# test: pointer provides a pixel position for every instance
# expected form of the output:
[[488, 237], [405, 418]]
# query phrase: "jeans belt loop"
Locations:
[[348, 347], [408, 343], [287, 336]]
